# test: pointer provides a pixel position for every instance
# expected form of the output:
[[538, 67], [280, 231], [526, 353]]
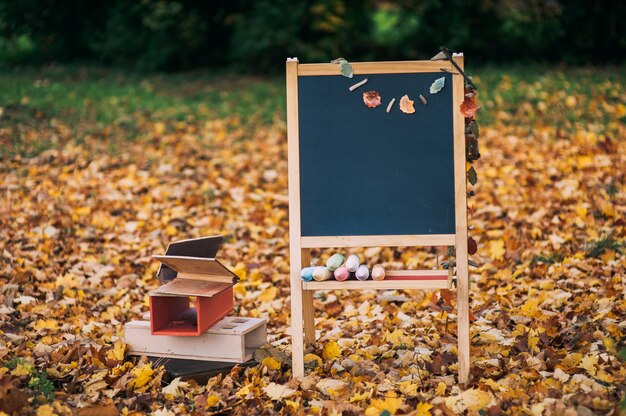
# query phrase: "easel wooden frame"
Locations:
[[302, 312]]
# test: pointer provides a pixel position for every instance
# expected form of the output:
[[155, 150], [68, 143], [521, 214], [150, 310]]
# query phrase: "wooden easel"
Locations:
[[302, 312]]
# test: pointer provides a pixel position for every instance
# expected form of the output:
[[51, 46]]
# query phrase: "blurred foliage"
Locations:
[[258, 35]]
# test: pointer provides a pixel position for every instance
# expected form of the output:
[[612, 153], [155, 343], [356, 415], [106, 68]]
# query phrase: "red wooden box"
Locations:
[[200, 294]]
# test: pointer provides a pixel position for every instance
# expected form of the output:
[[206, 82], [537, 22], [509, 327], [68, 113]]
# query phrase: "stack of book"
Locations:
[[188, 312]]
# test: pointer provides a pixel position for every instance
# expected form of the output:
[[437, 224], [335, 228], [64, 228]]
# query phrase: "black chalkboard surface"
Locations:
[[364, 171]]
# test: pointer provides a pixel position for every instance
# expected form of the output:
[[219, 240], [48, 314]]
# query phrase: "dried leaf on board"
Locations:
[[437, 85], [406, 105], [371, 99]]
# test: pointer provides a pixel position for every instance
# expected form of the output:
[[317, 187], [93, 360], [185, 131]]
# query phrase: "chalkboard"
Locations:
[[364, 171]]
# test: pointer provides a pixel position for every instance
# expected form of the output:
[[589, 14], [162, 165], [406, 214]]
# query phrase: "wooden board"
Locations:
[[364, 171], [232, 339]]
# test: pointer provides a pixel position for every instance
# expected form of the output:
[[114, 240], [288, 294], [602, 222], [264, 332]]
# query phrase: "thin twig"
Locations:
[[357, 85], [446, 51]]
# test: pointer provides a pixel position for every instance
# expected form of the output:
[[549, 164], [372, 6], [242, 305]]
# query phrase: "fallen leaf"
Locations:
[[331, 350], [437, 85], [278, 391], [406, 105], [371, 99]]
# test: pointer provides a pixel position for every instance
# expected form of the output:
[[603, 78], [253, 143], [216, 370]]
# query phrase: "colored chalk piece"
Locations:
[[307, 274], [353, 263], [321, 273], [335, 261], [342, 274], [378, 272], [362, 273]]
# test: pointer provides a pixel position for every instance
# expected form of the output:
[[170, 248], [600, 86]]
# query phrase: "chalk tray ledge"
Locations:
[[394, 279]]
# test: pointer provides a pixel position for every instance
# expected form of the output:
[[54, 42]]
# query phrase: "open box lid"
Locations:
[[198, 268], [203, 247]]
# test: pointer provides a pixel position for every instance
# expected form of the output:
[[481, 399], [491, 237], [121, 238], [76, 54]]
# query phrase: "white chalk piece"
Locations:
[[334, 262], [357, 85], [423, 99], [321, 273], [353, 263], [393, 100], [362, 273], [342, 274], [378, 272], [307, 274]]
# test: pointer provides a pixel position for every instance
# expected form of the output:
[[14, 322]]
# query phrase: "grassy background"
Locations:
[[91, 102]]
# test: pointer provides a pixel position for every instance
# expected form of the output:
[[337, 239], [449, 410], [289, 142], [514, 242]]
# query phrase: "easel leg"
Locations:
[[307, 303], [297, 341], [463, 326], [309, 316]]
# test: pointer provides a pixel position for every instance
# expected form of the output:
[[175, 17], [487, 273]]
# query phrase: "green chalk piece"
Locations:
[[321, 273], [307, 274], [362, 273], [334, 262], [353, 263]]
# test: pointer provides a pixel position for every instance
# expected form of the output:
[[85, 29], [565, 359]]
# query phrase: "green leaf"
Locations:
[[346, 69], [472, 176], [437, 85], [622, 354]]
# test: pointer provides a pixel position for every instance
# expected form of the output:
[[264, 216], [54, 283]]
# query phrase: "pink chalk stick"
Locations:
[[342, 273]]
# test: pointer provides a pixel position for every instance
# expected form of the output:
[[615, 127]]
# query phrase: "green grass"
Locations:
[[108, 102], [90, 100]]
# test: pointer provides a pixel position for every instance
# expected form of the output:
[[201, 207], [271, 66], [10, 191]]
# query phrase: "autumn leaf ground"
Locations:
[[102, 168]]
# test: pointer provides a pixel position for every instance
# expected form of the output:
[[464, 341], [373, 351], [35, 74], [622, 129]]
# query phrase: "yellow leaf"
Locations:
[[46, 324], [533, 340], [496, 249], [142, 374], [398, 338], [268, 295], [212, 400], [581, 211], [423, 409], [589, 363], [22, 369], [171, 230], [243, 391], [313, 357], [118, 350], [472, 399], [292, 404], [45, 410], [391, 404], [271, 363], [67, 280], [441, 389], [241, 270], [408, 388], [571, 360], [240, 290], [331, 351], [159, 128], [530, 308], [360, 397]]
